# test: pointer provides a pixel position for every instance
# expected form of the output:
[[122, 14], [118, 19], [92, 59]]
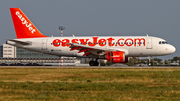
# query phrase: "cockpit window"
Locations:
[[163, 42]]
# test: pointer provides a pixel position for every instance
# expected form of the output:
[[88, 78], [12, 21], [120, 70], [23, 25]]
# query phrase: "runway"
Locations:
[[89, 67]]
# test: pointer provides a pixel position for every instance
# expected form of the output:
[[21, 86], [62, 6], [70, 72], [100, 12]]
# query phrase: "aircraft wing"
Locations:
[[88, 50]]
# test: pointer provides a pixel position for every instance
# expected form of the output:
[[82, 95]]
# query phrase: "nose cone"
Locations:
[[171, 49]]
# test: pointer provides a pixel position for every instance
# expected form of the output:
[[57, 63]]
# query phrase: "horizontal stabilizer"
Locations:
[[19, 42]]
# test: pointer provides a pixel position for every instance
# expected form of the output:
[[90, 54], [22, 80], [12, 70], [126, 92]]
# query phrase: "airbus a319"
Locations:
[[115, 49]]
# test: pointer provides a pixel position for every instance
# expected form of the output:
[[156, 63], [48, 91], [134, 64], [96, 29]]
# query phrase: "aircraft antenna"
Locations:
[[61, 28]]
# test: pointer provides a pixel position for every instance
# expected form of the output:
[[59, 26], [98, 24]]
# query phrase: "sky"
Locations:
[[159, 18]]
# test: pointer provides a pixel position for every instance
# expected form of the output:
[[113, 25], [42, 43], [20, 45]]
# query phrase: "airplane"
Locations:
[[114, 49]]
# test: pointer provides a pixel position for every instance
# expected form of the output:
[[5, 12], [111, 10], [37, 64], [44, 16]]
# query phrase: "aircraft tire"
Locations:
[[93, 63]]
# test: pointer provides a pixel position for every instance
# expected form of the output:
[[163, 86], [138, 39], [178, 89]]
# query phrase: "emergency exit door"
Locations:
[[44, 44], [149, 43]]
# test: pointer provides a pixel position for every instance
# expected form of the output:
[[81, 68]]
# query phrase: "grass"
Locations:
[[90, 84]]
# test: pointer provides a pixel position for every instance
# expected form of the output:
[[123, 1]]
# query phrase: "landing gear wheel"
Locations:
[[93, 63], [96, 63]]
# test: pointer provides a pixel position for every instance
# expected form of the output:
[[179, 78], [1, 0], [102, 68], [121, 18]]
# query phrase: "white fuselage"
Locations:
[[133, 46]]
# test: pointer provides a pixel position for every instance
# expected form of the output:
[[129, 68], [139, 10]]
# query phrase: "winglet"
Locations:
[[23, 26]]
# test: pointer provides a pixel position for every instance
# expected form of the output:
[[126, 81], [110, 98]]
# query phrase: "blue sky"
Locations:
[[158, 18]]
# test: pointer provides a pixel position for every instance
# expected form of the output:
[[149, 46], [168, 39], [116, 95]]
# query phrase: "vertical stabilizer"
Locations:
[[23, 26]]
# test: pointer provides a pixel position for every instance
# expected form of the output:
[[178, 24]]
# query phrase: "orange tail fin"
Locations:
[[23, 26]]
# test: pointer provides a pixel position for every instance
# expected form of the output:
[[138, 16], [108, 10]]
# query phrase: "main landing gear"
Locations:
[[94, 63]]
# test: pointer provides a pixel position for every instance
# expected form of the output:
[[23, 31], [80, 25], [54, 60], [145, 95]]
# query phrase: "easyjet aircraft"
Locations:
[[115, 49]]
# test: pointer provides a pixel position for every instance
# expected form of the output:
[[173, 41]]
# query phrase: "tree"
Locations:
[[108, 63], [175, 58], [102, 63]]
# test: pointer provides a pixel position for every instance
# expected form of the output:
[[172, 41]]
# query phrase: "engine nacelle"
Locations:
[[116, 57]]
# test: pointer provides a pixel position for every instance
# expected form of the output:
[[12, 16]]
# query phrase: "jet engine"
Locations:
[[116, 57]]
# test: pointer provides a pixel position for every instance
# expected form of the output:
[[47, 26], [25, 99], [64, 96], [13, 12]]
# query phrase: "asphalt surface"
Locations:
[[89, 67]]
